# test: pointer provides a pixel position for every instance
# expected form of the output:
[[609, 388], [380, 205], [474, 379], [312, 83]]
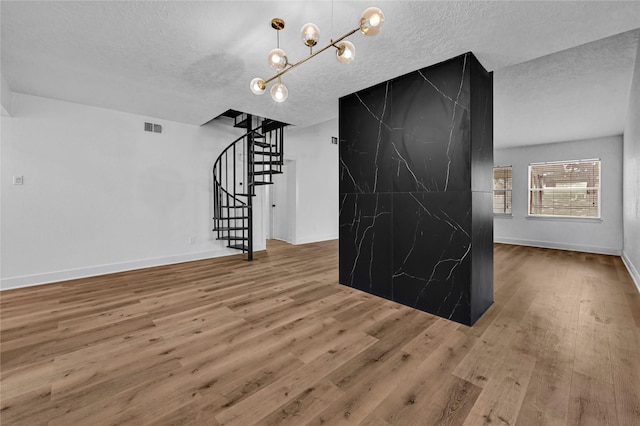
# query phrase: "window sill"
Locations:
[[567, 218]]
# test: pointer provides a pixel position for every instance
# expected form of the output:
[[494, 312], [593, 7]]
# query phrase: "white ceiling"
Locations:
[[190, 61], [579, 93]]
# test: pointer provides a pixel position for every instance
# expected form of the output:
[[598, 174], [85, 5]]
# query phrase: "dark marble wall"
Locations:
[[416, 176]]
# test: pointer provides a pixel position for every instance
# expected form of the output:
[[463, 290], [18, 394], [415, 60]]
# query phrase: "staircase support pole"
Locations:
[[250, 186]]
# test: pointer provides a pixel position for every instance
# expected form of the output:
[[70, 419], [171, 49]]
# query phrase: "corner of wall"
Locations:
[[635, 275], [631, 178]]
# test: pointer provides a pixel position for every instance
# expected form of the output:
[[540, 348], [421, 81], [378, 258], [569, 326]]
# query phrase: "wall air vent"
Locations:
[[152, 127]]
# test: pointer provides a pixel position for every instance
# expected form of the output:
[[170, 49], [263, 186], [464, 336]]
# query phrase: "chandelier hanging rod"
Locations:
[[302, 61], [370, 23]]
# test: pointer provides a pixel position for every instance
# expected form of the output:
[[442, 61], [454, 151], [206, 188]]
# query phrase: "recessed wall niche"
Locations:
[[416, 175]]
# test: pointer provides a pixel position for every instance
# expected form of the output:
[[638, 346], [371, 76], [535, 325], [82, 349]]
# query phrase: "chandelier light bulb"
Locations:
[[257, 86], [371, 21], [346, 52], [370, 24], [310, 34], [277, 59], [279, 92]]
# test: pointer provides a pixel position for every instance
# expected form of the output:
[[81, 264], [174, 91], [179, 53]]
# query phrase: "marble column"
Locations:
[[416, 176]]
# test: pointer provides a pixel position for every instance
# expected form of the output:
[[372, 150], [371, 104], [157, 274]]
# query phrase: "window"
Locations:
[[502, 183], [565, 188]]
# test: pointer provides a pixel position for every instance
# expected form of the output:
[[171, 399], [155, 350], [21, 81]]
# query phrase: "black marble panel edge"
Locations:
[[482, 253], [481, 126]]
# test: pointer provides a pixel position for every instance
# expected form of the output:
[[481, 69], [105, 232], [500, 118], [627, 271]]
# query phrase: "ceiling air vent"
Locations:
[[152, 127]]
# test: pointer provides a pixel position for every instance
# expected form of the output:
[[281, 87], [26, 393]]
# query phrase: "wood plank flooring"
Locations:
[[278, 342]]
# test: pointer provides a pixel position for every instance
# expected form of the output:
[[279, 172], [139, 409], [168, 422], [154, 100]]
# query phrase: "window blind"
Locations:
[[502, 189], [565, 188]]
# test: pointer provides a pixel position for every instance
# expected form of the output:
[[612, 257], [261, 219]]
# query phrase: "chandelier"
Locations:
[[370, 23]]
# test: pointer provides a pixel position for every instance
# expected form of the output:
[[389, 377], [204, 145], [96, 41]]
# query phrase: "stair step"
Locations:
[[231, 113], [257, 135], [231, 218], [235, 207], [267, 172], [262, 183], [263, 144], [272, 163], [269, 125], [243, 124], [246, 195], [232, 238], [238, 247], [267, 153]]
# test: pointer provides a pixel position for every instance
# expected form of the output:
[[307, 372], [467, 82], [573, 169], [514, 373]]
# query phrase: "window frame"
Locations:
[[557, 216], [510, 190]]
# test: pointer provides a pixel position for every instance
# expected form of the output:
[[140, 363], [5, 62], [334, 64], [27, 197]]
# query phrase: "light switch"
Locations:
[[17, 180]]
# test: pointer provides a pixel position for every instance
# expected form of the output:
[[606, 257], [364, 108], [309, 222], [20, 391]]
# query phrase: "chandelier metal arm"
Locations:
[[332, 43], [370, 22]]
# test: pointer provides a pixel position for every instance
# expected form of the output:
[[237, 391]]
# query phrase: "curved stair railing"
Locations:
[[249, 161]]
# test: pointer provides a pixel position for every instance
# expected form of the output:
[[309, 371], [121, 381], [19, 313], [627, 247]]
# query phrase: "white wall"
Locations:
[[316, 183], [5, 131], [631, 170], [589, 235], [101, 195], [5, 97]]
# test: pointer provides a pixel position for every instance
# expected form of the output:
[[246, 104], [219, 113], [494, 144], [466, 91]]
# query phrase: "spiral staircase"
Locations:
[[249, 161]]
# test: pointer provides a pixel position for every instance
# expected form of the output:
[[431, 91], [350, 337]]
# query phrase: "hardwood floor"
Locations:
[[279, 342]]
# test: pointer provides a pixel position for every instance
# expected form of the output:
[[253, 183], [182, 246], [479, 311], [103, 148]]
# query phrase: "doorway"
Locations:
[[280, 215]]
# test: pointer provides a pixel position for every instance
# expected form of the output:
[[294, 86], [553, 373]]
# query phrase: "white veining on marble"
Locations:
[[455, 101], [456, 228], [355, 215], [380, 124], [344, 198], [399, 271], [453, 311], [364, 234], [455, 225], [435, 267], [345, 167], [415, 178], [434, 182], [384, 109], [444, 301], [453, 118], [355, 219], [413, 244], [371, 112]]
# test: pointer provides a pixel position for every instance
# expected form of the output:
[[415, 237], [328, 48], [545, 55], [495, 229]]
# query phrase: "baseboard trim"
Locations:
[[92, 271], [316, 239], [559, 246], [635, 276]]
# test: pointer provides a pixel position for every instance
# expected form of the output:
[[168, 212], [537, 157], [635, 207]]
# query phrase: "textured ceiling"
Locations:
[[579, 93], [190, 61]]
